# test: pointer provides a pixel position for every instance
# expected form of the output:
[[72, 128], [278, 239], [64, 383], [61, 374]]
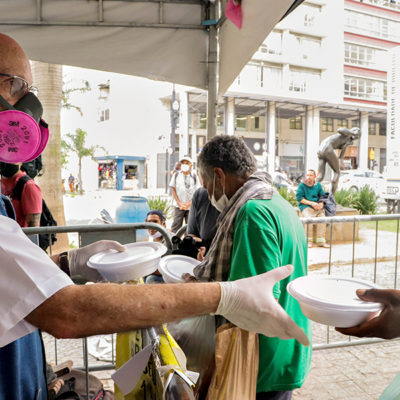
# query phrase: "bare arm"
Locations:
[[33, 219], [175, 196], [120, 308]]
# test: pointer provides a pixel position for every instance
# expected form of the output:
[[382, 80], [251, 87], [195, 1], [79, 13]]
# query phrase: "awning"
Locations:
[[159, 39]]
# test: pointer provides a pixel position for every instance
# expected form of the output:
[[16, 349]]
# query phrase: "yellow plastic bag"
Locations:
[[236, 365]]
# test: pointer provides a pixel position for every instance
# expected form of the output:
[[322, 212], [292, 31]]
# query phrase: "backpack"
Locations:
[[46, 218]]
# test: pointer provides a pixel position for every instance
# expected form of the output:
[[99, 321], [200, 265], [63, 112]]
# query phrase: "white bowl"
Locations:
[[172, 267], [333, 301], [139, 259]]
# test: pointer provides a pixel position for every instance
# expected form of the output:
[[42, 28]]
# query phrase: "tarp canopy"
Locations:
[[158, 39]]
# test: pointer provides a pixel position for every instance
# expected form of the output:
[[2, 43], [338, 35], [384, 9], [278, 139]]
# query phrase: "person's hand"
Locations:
[[320, 206], [386, 325], [315, 206], [187, 278], [249, 304], [201, 253], [78, 258], [54, 387]]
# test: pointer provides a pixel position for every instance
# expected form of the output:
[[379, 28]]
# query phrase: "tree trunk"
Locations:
[[48, 79]]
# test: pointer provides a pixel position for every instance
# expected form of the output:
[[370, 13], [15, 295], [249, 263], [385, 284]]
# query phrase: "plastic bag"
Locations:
[[196, 337], [236, 364]]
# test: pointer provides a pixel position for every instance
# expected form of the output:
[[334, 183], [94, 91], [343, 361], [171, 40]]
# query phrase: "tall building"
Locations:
[[323, 67]]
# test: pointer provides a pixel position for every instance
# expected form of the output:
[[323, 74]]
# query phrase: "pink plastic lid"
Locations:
[[20, 136]]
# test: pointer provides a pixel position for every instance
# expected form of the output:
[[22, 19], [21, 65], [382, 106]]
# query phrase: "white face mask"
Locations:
[[156, 235], [222, 202], [185, 168]]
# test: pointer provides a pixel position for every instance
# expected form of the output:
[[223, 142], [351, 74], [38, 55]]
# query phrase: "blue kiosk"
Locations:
[[122, 172]]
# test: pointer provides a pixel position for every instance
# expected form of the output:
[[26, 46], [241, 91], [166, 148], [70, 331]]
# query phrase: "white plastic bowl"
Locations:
[[174, 266], [333, 301], [139, 259]]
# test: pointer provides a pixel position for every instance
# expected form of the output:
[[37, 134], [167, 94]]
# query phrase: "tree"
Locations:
[[77, 145], [66, 94]]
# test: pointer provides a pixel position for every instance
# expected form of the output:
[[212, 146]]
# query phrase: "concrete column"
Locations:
[[229, 115], [311, 138], [363, 144], [193, 156], [183, 124], [270, 128]]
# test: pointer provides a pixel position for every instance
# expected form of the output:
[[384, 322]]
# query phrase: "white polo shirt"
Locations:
[[28, 278]]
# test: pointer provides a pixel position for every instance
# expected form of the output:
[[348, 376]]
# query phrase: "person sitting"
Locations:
[[308, 195]]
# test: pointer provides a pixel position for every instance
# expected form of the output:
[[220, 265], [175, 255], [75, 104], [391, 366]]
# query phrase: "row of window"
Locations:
[[372, 25], [362, 55], [365, 88]]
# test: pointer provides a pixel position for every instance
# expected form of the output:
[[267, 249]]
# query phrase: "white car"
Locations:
[[356, 179]]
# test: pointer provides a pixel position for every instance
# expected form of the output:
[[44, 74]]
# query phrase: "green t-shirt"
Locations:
[[268, 234], [312, 193]]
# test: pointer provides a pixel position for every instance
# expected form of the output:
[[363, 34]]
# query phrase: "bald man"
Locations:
[[37, 293]]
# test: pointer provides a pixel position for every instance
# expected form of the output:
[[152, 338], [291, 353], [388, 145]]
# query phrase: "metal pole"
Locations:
[[173, 127], [212, 76]]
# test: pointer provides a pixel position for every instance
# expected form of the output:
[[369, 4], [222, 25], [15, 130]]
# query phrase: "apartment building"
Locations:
[[323, 67]]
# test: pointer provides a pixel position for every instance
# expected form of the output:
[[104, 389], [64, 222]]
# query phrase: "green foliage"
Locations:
[[344, 197], [159, 203], [288, 195], [364, 200]]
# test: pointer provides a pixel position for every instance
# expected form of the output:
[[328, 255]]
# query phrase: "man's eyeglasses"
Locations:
[[19, 86]]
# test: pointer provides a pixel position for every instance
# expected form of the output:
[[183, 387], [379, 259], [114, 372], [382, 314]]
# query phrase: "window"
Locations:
[[372, 25], [104, 115], [273, 43], [355, 123], [382, 128], [365, 88], [201, 121], [311, 13], [296, 122], [241, 122], [327, 124], [361, 55], [308, 45], [371, 128], [342, 123], [301, 78]]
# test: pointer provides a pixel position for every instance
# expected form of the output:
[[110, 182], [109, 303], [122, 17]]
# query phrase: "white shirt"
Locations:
[[185, 186], [28, 278]]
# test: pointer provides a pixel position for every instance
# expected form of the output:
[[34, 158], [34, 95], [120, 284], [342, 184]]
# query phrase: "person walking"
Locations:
[[183, 185], [71, 183]]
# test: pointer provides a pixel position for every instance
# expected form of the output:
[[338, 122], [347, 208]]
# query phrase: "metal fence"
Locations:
[[324, 337]]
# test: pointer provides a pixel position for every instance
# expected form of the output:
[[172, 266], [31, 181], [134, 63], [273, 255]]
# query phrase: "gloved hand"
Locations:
[[249, 304], [78, 258]]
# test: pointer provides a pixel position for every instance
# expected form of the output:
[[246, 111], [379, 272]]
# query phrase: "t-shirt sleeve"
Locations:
[[29, 277], [256, 246], [321, 191], [193, 226], [172, 183], [31, 199]]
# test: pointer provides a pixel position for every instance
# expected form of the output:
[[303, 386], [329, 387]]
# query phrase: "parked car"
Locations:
[[356, 179]]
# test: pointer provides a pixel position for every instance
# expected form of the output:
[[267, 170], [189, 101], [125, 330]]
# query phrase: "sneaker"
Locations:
[[325, 245]]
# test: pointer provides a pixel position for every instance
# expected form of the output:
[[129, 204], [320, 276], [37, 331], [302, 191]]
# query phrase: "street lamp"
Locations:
[[174, 124]]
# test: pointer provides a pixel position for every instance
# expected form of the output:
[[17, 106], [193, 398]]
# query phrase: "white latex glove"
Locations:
[[249, 304], [78, 258]]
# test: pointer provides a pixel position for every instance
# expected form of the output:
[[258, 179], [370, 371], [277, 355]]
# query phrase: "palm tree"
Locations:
[[76, 143], [48, 79]]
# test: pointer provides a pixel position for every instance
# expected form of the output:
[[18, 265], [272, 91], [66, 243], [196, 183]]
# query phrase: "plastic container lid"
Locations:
[[174, 266], [136, 253], [327, 292]]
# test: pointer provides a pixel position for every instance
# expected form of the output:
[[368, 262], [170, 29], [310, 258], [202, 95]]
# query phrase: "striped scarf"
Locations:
[[216, 265]]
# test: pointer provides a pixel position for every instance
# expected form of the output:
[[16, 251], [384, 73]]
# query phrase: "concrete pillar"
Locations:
[[229, 116], [183, 124], [311, 138], [363, 144], [270, 128], [193, 156]]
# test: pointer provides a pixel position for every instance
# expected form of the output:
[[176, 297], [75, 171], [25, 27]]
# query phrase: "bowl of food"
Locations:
[[332, 300], [172, 267], [139, 259]]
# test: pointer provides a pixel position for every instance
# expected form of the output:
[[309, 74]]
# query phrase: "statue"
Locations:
[[326, 152]]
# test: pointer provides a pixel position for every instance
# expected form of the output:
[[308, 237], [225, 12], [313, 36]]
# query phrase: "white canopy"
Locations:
[[158, 39]]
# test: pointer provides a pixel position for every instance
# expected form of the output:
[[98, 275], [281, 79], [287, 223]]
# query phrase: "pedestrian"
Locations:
[[258, 231], [308, 197], [71, 183], [183, 185], [38, 295], [25, 194]]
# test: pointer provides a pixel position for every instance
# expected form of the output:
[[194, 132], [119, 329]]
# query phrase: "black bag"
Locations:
[[46, 218], [33, 168], [329, 204]]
